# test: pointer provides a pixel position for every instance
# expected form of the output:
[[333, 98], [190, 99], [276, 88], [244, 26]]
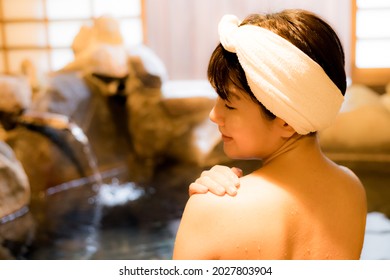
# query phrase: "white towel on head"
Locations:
[[282, 77]]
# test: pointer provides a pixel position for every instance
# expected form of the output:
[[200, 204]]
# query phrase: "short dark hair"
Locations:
[[305, 30]]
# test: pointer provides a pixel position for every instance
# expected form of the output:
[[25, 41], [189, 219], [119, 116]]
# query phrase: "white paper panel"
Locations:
[[39, 58], [117, 8], [373, 23], [373, 3], [131, 31], [373, 53], [25, 34], [67, 9], [23, 9], [59, 58], [61, 34]]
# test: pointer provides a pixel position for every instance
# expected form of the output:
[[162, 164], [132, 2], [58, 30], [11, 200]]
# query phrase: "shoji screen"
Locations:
[[371, 41], [43, 30]]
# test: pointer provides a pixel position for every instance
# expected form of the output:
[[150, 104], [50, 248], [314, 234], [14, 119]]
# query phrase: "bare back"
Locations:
[[279, 213], [322, 219]]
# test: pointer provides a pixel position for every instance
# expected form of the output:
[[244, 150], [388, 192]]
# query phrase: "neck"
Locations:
[[296, 147]]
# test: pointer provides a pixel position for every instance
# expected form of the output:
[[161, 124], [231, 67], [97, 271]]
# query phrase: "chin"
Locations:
[[238, 156]]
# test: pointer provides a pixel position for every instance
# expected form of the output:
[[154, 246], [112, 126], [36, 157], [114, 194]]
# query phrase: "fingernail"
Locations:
[[232, 191], [237, 171], [221, 190]]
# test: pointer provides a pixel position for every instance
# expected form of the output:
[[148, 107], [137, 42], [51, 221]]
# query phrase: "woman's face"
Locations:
[[246, 133]]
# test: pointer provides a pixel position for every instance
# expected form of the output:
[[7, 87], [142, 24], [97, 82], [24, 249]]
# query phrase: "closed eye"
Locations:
[[229, 107]]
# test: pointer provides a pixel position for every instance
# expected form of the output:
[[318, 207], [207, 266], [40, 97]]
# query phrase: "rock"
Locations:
[[15, 93], [363, 124], [14, 184]]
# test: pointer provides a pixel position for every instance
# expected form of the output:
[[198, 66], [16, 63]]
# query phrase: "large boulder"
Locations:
[[363, 124], [14, 184]]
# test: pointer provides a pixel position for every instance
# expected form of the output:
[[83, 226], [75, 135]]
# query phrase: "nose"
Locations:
[[212, 114], [215, 116]]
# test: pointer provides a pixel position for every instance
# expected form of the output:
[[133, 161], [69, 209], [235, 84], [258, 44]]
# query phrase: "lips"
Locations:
[[226, 138], [223, 135]]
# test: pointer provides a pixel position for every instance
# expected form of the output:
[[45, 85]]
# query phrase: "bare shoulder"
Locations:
[[350, 179], [255, 193], [218, 222], [199, 229], [348, 172], [354, 185]]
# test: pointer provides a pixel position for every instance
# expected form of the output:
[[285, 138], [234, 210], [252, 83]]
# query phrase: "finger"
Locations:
[[212, 185], [226, 177], [229, 183], [220, 168], [232, 174], [220, 178], [197, 188], [237, 171]]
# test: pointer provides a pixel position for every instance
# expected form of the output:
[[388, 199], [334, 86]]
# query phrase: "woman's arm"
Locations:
[[219, 180]]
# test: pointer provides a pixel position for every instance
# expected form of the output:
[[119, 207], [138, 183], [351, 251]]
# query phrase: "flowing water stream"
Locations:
[[72, 211]]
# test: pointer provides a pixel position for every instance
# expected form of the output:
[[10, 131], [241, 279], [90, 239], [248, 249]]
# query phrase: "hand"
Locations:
[[219, 180]]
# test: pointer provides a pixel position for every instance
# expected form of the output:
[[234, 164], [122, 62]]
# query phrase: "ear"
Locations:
[[284, 129]]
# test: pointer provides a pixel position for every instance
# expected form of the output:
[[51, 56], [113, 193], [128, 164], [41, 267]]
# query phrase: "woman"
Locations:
[[279, 78]]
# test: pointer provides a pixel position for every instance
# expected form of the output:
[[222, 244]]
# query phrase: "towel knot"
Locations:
[[227, 29]]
